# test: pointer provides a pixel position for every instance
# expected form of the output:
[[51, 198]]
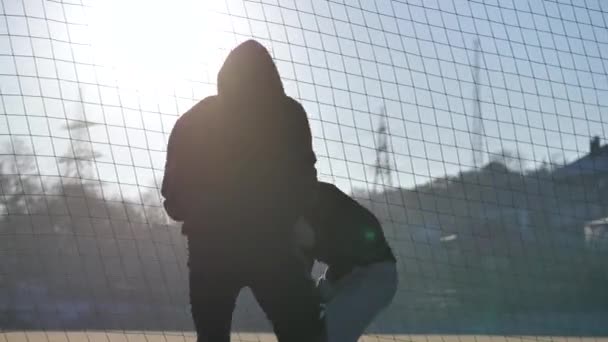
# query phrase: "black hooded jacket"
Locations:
[[241, 163], [347, 234]]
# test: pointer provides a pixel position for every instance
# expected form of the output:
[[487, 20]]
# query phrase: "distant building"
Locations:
[[596, 234], [583, 191], [594, 165]]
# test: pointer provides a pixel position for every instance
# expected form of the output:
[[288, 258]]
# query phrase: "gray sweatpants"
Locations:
[[355, 300]]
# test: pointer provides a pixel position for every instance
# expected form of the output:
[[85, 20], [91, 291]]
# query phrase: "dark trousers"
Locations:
[[279, 281]]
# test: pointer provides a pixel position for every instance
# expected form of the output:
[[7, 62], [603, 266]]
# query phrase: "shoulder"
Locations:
[[200, 112], [293, 105], [332, 197], [331, 193]]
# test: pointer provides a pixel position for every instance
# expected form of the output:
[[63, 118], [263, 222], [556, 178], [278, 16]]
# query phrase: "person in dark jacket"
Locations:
[[361, 277], [240, 170]]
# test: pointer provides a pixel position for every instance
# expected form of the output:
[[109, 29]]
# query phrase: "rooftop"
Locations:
[[596, 161]]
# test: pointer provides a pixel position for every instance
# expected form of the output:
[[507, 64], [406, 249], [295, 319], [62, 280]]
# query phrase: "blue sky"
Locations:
[[543, 82]]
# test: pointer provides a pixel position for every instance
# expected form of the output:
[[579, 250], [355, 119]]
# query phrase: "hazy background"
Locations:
[[495, 206]]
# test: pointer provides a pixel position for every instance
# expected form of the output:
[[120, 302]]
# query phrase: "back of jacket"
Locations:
[[240, 165], [346, 233]]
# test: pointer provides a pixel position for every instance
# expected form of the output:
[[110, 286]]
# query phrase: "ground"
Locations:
[[119, 336]]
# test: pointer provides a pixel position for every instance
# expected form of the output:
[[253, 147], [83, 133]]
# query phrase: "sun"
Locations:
[[156, 43]]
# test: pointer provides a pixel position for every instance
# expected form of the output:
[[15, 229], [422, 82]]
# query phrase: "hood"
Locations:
[[249, 73]]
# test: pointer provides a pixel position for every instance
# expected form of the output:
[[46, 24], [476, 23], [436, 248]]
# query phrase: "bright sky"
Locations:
[[543, 80]]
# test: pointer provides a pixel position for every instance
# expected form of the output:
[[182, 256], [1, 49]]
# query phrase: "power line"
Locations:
[[382, 166]]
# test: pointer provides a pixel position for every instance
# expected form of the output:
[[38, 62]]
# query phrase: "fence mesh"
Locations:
[[475, 130]]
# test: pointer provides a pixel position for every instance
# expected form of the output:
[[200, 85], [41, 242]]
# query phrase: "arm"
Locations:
[[170, 188], [304, 158], [304, 240], [183, 160]]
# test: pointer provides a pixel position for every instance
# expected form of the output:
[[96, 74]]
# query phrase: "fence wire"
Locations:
[[475, 130]]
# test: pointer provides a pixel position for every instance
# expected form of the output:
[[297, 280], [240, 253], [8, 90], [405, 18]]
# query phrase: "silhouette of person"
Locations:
[[240, 170], [361, 277]]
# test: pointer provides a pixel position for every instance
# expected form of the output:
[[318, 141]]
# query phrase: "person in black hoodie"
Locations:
[[361, 277], [240, 170]]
